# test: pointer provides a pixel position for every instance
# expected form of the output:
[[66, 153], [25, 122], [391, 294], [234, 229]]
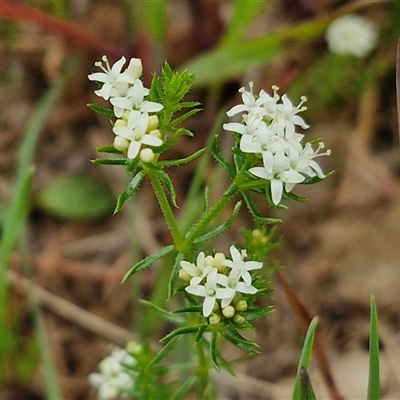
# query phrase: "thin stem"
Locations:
[[202, 371], [166, 209]]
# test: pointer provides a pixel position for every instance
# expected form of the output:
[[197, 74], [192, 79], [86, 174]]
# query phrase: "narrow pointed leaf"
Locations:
[[109, 161], [213, 351], [146, 262], [167, 182], [164, 351], [305, 356], [219, 158], [255, 213], [221, 228], [180, 331], [101, 110], [199, 333], [129, 190], [373, 379], [174, 274], [306, 390], [167, 315], [108, 149], [185, 388], [180, 161]]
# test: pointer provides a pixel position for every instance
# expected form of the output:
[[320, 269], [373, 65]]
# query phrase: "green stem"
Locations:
[[166, 209], [210, 214], [203, 368]]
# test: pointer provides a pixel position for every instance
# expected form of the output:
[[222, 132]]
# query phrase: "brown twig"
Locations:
[[23, 13], [304, 318]]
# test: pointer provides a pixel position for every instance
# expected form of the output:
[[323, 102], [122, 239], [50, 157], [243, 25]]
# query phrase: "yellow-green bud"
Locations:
[[146, 155], [239, 319], [184, 275], [156, 133], [215, 319], [121, 143], [241, 305], [228, 311], [135, 68], [120, 122], [218, 258], [216, 306], [125, 115], [153, 123], [209, 261], [133, 347]]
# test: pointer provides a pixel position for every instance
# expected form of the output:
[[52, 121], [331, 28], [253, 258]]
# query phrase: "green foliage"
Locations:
[[302, 387], [75, 197], [373, 379]]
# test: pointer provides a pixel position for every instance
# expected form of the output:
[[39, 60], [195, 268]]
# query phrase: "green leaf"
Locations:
[[167, 182], [199, 333], [75, 197], [184, 116], [173, 163], [306, 391], [221, 228], [180, 331], [305, 357], [235, 57], [129, 190], [232, 334], [373, 379], [101, 110], [167, 315], [220, 159], [255, 213], [244, 12], [164, 351], [146, 262], [110, 161], [174, 274], [213, 350], [185, 388], [108, 149]]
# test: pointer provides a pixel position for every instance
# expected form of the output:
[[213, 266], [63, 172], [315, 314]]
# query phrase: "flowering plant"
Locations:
[[268, 159]]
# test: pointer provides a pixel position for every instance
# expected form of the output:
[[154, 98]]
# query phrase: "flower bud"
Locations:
[[228, 311], [121, 143], [133, 347], [120, 122], [218, 258], [146, 155], [239, 319], [241, 305], [153, 123], [209, 261], [125, 115], [135, 68], [184, 275], [156, 133], [214, 319]]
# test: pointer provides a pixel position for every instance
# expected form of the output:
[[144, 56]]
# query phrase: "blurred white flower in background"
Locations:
[[351, 34]]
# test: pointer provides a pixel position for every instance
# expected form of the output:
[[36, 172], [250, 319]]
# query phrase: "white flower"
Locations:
[[110, 77], [241, 268], [282, 173], [199, 271], [351, 34], [135, 132], [210, 291], [134, 100], [114, 377]]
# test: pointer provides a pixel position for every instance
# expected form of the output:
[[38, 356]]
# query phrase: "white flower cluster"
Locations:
[[218, 280], [135, 126], [268, 129], [351, 34], [114, 378]]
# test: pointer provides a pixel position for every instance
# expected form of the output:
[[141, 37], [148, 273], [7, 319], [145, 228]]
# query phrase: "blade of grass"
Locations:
[[373, 379], [305, 357]]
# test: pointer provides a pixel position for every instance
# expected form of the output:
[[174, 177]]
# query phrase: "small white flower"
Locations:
[[351, 34], [199, 271], [135, 132], [282, 173], [109, 77], [210, 291], [134, 100], [114, 377], [241, 268]]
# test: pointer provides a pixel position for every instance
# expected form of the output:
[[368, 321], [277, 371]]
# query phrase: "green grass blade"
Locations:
[[373, 379], [305, 358]]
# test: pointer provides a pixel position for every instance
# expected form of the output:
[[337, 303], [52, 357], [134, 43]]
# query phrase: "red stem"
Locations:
[[22, 13]]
